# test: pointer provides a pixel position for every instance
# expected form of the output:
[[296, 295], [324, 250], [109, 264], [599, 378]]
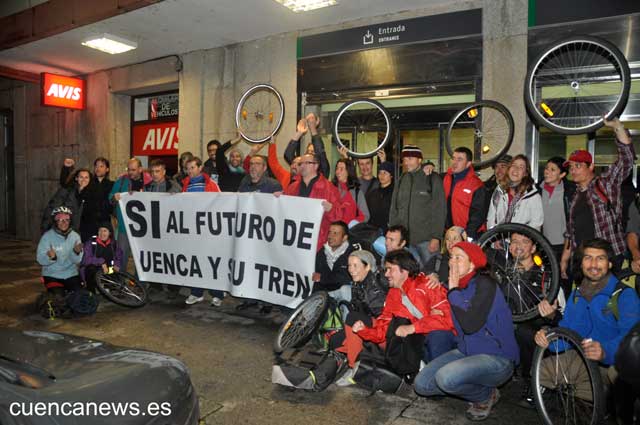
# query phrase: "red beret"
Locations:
[[475, 253]]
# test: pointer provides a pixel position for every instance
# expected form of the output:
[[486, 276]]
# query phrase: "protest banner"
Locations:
[[252, 245]]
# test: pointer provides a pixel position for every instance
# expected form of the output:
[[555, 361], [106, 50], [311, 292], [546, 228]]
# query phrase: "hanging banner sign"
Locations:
[[155, 139], [426, 28], [65, 92], [252, 245]]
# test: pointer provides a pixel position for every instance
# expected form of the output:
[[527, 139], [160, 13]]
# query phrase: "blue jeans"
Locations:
[[469, 377], [436, 343], [422, 250], [198, 292]]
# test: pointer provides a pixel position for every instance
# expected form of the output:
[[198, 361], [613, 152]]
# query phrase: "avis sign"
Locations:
[[61, 91], [155, 139]]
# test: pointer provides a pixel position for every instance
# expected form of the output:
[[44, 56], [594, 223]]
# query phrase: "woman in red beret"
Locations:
[[487, 351]]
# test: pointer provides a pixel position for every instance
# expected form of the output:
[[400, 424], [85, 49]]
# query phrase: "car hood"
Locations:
[[76, 369]]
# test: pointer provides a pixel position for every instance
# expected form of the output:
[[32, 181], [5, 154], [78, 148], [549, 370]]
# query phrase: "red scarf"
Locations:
[[105, 243], [464, 281], [549, 189]]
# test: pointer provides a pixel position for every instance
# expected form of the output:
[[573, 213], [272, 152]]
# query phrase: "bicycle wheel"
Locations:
[[259, 113], [522, 290], [368, 123], [302, 323], [121, 288], [567, 387], [485, 127], [573, 83]]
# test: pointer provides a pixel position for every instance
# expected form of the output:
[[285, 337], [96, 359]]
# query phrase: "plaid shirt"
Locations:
[[607, 213]]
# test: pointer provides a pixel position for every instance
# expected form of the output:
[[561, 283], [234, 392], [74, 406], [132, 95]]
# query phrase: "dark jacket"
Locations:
[[293, 150], [171, 186], [85, 206], [418, 204], [102, 189], [369, 295], [96, 253], [438, 264], [379, 202], [483, 320], [264, 185], [229, 181], [332, 279]]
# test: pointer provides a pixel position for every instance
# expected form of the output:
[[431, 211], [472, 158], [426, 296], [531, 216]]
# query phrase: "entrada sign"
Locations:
[[65, 92]]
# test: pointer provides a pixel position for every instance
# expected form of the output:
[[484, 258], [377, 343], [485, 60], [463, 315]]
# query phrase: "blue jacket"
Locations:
[[67, 261], [483, 320], [120, 186], [594, 320]]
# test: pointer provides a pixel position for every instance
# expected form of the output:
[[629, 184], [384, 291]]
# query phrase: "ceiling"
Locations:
[[180, 26]]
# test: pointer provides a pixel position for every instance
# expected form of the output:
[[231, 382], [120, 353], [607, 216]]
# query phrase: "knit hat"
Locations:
[[106, 225], [504, 159], [411, 151], [475, 253], [366, 257], [387, 166]]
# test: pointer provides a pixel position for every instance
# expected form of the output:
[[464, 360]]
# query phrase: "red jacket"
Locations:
[[461, 202], [322, 189], [279, 172], [349, 206], [209, 184], [424, 299]]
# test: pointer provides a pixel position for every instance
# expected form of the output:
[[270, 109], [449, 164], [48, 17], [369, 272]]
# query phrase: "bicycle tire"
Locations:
[[115, 287], [547, 256], [299, 327], [344, 108], [504, 147], [619, 62], [593, 372], [240, 116]]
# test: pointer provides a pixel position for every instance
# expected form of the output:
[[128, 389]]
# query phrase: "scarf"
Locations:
[[511, 209], [332, 256], [549, 189], [589, 289], [464, 280]]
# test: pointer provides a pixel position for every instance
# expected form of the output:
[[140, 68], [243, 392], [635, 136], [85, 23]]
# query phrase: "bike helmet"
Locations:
[[61, 210]]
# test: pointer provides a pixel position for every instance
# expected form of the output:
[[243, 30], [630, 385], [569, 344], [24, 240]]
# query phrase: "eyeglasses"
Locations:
[[307, 162]]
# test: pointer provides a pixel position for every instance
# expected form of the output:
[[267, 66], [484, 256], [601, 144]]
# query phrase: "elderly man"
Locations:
[[311, 184]]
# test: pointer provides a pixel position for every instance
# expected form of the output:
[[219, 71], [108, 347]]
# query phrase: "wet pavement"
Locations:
[[229, 354]]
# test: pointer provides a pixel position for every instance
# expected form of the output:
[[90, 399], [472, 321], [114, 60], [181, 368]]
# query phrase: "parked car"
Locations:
[[50, 378]]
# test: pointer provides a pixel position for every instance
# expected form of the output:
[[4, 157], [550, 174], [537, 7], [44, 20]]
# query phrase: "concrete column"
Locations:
[[504, 59]]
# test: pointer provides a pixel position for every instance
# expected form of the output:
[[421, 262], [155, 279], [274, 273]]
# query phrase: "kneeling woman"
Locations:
[[487, 351], [100, 253]]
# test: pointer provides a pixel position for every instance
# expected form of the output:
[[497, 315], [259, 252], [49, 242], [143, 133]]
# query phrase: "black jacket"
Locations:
[[84, 206], [379, 203], [293, 150], [330, 280], [228, 180], [369, 295], [102, 189]]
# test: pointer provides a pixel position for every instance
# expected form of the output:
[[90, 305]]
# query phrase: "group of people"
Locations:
[[432, 295]]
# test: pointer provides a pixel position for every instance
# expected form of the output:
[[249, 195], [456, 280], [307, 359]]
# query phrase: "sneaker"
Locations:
[[480, 411], [216, 302], [526, 399], [192, 299]]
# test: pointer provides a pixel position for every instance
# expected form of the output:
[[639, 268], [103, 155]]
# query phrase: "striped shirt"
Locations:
[[196, 184]]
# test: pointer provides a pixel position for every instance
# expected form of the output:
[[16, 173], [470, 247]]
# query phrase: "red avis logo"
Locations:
[[65, 92], [62, 91], [155, 139]]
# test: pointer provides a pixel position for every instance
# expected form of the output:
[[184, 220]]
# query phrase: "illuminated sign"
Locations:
[[65, 92], [155, 139]]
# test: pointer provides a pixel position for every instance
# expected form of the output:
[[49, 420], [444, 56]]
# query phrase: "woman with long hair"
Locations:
[[351, 197], [516, 199]]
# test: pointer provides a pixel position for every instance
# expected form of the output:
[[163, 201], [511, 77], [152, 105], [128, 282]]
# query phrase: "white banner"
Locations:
[[252, 245]]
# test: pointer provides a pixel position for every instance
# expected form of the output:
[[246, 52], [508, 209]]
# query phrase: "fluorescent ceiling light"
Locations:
[[306, 5], [110, 44]]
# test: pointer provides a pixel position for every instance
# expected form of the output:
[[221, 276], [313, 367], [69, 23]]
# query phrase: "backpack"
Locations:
[[373, 372], [308, 369], [82, 302], [52, 305], [612, 304]]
